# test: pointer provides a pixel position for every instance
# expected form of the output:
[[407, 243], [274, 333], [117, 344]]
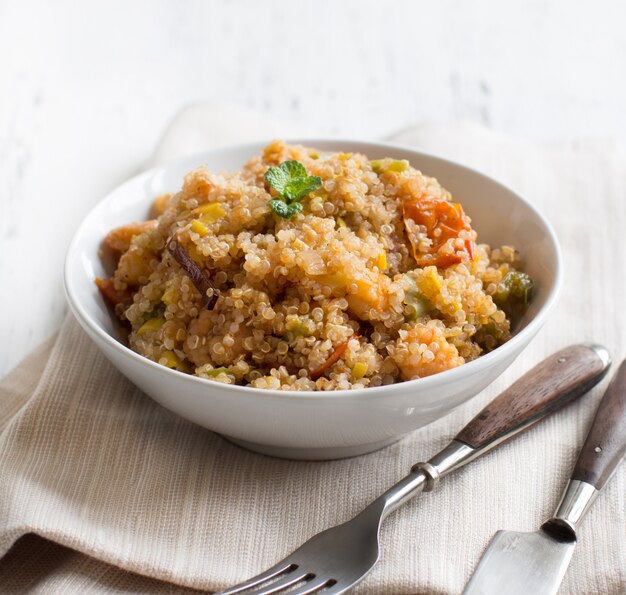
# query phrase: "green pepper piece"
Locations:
[[416, 305], [515, 287], [217, 371]]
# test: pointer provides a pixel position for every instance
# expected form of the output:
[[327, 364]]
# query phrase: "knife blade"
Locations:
[[519, 563]]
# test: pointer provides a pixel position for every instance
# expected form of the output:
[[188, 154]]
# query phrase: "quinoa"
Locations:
[[378, 279]]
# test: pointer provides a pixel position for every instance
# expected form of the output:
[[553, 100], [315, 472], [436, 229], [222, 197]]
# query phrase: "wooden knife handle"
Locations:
[[605, 445], [559, 379]]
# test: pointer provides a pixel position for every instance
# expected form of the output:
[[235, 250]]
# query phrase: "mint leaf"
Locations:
[[294, 208], [284, 210], [294, 169], [281, 208], [277, 178], [297, 189], [292, 183]]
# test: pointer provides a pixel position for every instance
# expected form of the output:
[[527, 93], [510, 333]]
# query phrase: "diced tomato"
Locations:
[[443, 221]]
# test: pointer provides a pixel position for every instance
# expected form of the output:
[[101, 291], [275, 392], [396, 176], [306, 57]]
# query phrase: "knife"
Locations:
[[535, 563]]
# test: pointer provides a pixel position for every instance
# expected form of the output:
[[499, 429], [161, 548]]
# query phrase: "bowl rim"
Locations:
[[455, 374]]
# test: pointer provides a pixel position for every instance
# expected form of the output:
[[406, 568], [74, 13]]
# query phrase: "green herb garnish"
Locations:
[[292, 183]]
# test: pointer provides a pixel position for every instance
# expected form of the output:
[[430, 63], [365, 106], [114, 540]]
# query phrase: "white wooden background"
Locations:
[[86, 90]]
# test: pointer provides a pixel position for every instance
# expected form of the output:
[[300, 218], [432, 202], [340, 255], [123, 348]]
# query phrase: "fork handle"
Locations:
[[559, 379], [556, 381]]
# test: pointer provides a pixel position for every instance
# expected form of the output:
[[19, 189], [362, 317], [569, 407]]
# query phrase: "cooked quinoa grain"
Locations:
[[351, 273]]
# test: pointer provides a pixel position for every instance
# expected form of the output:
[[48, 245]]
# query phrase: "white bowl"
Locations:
[[316, 425]]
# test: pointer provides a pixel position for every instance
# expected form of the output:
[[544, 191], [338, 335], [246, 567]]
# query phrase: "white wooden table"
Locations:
[[86, 90]]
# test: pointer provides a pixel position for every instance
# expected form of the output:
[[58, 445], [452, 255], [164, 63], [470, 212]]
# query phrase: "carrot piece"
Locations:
[[334, 357]]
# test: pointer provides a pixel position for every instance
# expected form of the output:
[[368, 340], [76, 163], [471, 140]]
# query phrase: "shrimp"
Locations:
[[423, 351], [135, 265], [119, 239], [113, 295], [371, 297], [161, 203], [368, 294], [204, 346]]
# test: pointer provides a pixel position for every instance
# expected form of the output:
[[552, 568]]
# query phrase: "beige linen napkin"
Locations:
[[142, 501]]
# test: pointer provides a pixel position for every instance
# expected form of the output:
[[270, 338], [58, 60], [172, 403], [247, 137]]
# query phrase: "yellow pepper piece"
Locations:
[[170, 359], [398, 166], [367, 291], [381, 261], [170, 296], [359, 370], [151, 326], [385, 165], [210, 212], [334, 280], [199, 227], [432, 280], [341, 223]]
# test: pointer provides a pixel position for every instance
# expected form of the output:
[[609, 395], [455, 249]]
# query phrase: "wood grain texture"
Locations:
[[605, 445], [559, 379]]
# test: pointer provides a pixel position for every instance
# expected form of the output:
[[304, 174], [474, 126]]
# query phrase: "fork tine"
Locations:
[[318, 584], [291, 579], [275, 571]]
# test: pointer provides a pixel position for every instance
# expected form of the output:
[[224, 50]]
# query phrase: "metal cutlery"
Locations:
[[520, 563], [336, 559]]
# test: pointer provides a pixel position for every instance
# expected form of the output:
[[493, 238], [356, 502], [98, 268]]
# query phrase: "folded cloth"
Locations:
[[125, 496]]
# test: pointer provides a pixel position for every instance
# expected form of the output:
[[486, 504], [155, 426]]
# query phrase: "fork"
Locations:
[[336, 559]]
